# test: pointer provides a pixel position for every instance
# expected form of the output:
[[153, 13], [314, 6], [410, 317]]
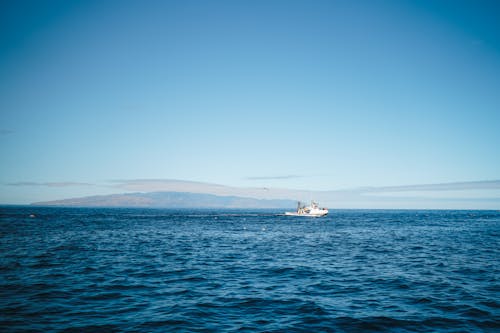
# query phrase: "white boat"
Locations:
[[313, 210]]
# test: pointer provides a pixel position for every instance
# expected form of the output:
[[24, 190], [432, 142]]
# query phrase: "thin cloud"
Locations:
[[174, 185], [50, 184], [157, 183], [274, 177], [457, 186], [149, 185], [461, 195], [120, 182]]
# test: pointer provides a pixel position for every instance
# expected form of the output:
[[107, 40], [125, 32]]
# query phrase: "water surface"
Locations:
[[146, 270]]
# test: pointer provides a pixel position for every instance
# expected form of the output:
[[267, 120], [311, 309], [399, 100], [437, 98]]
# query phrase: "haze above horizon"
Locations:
[[323, 96]]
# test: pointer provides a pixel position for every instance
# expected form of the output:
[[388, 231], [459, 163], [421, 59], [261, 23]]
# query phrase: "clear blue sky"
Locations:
[[316, 95]]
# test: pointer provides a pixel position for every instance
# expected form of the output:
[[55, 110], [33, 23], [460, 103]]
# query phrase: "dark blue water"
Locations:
[[133, 270]]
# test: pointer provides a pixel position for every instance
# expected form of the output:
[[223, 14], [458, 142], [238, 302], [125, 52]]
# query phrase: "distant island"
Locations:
[[169, 200]]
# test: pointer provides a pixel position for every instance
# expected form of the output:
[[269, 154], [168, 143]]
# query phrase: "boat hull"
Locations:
[[317, 214]]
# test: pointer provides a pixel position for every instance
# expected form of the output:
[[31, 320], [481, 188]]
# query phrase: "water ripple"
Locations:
[[133, 270]]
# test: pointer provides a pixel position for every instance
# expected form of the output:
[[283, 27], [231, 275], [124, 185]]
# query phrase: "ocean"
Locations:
[[153, 270]]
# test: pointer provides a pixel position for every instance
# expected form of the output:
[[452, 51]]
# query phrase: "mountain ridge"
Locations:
[[168, 199]]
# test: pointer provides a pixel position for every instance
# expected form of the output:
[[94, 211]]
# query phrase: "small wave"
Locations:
[[170, 324], [93, 328], [103, 296], [491, 304], [475, 313]]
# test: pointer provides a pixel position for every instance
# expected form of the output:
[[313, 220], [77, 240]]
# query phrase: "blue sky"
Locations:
[[312, 95]]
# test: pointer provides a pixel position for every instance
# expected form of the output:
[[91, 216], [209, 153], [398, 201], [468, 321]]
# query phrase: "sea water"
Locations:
[[147, 270]]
